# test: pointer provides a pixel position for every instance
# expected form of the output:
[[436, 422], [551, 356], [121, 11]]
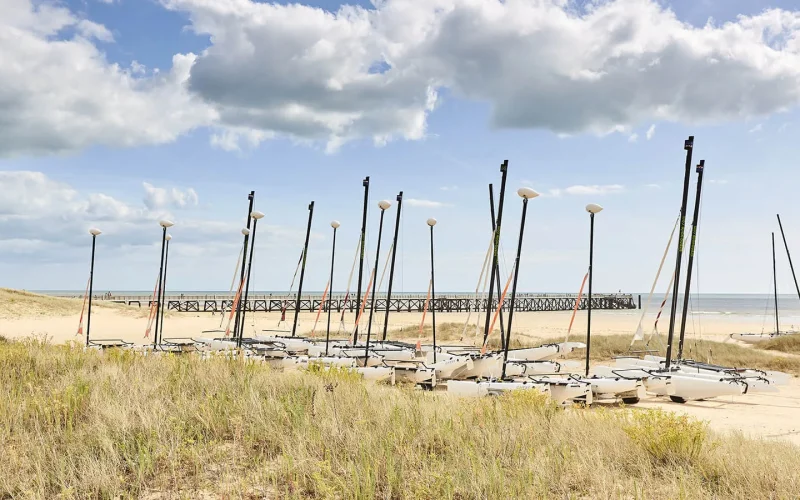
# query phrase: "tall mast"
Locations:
[[391, 269], [791, 266], [688, 145], [251, 197], [497, 270], [700, 169], [302, 269], [775, 285], [494, 270], [364, 183]]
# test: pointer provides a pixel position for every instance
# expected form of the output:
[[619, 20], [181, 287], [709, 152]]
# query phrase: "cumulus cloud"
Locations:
[[58, 92], [651, 132], [595, 189], [414, 202], [156, 198], [301, 72], [602, 67]]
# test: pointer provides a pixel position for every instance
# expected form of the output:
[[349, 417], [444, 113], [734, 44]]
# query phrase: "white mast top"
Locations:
[[384, 204], [432, 222], [166, 223], [256, 214], [527, 193], [95, 232], [335, 224], [594, 208]]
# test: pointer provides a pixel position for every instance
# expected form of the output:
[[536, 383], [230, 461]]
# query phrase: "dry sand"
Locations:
[[768, 416]]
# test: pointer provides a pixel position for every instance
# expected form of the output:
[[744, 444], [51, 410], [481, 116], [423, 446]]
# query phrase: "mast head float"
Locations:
[[166, 223], [594, 208], [432, 222], [95, 232], [384, 204], [255, 214], [168, 237], [527, 193], [245, 231], [335, 224]]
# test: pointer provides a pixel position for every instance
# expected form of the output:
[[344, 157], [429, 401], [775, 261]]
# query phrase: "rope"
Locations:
[[478, 290], [577, 304], [319, 311], [380, 283], [497, 311], [233, 283], [424, 312], [639, 335], [349, 281], [152, 314], [291, 287], [484, 292], [85, 296], [364, 302], [234, 306]]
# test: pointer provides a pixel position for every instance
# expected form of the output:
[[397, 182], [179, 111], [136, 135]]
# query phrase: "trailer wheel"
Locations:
[[678, 399], [630, 401]]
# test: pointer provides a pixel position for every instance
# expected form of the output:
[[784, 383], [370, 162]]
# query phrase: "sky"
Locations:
[[119, 113]]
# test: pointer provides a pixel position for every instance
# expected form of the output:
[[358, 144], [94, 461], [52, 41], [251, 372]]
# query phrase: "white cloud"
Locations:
[[653, 186], [159, 198], [337, 76], [579, 190], [414, 202], [633, 137], [755, 129], [449, 188], [784, 127], [718, 181], [59, 93], [296, 71], [651, 132]]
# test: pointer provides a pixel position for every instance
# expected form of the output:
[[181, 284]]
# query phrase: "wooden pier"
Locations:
[[403, 303]]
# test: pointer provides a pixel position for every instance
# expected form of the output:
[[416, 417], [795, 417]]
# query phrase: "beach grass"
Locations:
[[606, 347], [783, 343], [85, 424], [21, 304]]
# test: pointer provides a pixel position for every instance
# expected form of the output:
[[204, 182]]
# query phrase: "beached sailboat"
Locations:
[[755, 338]]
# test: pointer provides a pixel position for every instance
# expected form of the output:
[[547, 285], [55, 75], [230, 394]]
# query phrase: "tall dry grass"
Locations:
[[77, 424], [19, 304], [605, 347], [783, 343]]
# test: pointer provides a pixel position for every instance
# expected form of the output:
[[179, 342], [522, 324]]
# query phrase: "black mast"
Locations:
[[164, 291], [775, 285], [364, 183], [783, 235], [94, 233], [592, 209], [525, 193], [160, 283], [384, 205], [302, 268], [391, 268], [497, 271], [700, 169], [431, 223], [255, 216], [494, 269], [688, 146], [250, 197], [335, 226]]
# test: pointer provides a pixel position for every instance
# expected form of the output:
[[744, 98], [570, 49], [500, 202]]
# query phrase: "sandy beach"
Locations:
[[767, 416]]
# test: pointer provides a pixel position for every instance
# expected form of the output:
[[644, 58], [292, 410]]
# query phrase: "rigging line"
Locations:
[[484, 289], [383, 275], [291, 287], [349, 282], [639, 334], [478, 291], [233, 284], [663, 303], [577, 304], [500, 302]]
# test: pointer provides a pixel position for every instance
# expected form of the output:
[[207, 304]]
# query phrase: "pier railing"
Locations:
[[409, 302]]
